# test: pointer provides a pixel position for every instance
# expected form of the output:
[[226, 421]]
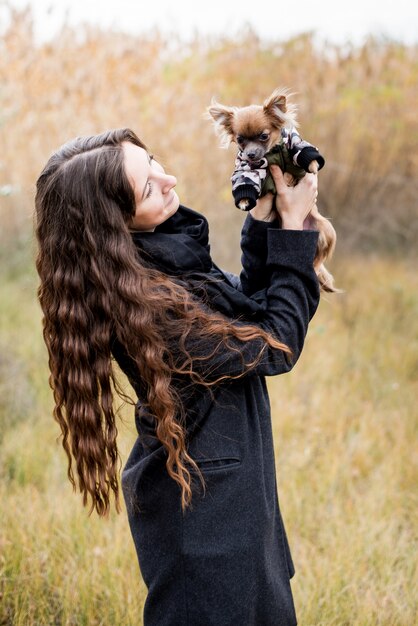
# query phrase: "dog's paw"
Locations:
[[244, 205]]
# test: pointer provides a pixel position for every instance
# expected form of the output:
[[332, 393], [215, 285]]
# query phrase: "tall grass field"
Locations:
[[345, 420]]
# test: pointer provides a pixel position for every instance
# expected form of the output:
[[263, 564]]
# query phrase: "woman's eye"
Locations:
[[149, 189]]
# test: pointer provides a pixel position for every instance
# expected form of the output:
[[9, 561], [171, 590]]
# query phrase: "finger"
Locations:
[[264, 207], [278, 178], [265, 201], [312, 179], [288, 179], [313, 167]]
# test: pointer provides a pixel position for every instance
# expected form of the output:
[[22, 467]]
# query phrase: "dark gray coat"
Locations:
[[226, 562]]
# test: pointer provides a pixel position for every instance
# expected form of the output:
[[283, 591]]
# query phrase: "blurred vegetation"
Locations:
[[345, 419], [357, 104], [345, 426]]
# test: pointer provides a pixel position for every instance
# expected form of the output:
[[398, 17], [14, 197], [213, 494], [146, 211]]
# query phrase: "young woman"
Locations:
[[126, 273]]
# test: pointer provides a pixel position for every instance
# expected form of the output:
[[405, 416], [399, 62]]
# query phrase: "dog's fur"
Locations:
[[256, 129]]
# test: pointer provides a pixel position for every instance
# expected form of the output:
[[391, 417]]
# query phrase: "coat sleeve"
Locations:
[[255, 274], [277, 269]]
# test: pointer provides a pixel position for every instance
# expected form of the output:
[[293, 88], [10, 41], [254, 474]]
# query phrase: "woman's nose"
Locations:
[[169, 182]]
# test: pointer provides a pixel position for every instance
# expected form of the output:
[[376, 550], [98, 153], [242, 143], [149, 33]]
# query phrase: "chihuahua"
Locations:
[[266, 134]]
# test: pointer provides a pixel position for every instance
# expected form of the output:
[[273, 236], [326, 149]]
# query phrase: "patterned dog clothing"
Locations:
[[250, 180]]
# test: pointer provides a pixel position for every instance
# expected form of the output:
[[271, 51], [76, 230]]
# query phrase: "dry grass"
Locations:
[[346, 431], [345, 419], [357, 104], [345, 425]]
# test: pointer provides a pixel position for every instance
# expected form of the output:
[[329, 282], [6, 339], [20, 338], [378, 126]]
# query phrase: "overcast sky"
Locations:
[[273, 19]]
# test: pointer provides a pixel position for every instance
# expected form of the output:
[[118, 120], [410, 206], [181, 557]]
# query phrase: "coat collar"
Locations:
[[178, 245]]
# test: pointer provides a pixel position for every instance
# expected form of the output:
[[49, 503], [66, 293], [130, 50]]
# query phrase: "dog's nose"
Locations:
[[251, 155]]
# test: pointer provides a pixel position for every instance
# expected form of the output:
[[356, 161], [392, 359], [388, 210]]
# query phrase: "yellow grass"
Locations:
[[357, 104], [346, 430], [345, 420], [345, 426]]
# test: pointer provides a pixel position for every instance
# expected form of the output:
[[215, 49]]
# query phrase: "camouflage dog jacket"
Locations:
[[250, 180]]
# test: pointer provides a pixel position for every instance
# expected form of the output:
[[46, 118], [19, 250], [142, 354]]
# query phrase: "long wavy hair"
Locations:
[[94, 287]]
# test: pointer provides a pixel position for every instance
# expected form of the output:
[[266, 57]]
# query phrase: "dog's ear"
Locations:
[[222, 117], [276, 100], [220, 114], [278, 109]]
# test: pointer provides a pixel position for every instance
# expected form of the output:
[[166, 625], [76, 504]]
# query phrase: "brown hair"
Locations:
[[94, 287]]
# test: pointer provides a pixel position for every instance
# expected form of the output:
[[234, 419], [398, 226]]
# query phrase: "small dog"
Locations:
[[266, 134]]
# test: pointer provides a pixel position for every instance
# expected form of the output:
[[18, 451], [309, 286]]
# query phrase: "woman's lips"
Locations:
[[171, 198]]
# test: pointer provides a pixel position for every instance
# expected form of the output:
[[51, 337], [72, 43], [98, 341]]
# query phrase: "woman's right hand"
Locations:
[[294, 204]]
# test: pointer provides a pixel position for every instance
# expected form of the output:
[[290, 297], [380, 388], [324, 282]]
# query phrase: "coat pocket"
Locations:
[[218, 463]]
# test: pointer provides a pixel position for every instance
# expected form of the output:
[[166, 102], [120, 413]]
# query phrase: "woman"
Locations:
[[126, 272]]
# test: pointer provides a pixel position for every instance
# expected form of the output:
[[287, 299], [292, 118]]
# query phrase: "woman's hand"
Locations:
[[294, 204], [264, 210]]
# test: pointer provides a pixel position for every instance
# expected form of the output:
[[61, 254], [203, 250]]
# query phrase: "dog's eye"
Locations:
[[240, 139], [264, 137]]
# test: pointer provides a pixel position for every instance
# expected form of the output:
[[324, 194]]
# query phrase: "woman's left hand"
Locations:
[[264, 210], [294, 202]]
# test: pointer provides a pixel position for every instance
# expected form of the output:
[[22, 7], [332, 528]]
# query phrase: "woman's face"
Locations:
[[155, 198]]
